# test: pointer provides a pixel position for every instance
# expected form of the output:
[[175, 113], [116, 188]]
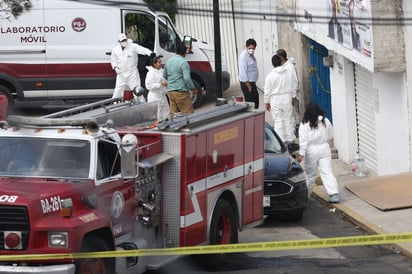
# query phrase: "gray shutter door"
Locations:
[[365, 98]]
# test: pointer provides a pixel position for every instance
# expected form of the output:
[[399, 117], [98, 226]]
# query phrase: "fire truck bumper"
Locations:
[[51, 269]]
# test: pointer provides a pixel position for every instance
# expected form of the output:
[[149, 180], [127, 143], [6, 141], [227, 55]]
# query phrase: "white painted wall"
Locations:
[[343, 107], [391, 119], [257, 21], [407, 7]]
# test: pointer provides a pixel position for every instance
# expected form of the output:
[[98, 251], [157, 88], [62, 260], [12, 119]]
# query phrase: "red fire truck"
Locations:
[[103, 177]]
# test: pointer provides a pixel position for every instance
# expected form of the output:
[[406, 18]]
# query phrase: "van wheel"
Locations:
[[9, 99], [93, 243], [197, 99]]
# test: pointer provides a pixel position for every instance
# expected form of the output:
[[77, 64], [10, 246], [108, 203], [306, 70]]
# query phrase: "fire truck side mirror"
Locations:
[[129, 156]]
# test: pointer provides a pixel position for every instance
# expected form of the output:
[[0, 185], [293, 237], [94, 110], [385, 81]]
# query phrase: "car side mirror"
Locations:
[[292, 147]]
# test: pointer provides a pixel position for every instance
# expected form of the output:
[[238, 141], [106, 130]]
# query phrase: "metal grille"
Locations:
[[277, 188], [171, 189], [365, 100], [14, 218]]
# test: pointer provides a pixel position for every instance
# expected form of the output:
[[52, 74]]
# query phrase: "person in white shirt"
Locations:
[[249, 73], [157, 87], [315, 132], [278, 100], [124, 58]]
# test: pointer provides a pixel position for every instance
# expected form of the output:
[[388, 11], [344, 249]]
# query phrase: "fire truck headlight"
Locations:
[[58, 239]]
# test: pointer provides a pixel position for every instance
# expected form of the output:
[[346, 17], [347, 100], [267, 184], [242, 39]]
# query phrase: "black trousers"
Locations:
[[250, 96]]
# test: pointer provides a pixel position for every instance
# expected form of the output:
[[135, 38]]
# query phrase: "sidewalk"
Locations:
[[365, 215]]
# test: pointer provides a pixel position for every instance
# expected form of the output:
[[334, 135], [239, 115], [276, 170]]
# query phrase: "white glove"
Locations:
[[118, 70]]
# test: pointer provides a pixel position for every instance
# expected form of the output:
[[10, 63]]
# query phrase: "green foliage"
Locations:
[[168, 6]]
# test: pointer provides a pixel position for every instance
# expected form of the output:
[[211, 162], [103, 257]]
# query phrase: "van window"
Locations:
[[140, 28], [168, 37]]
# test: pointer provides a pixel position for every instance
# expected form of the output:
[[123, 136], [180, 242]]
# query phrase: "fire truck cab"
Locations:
[[103, 177]]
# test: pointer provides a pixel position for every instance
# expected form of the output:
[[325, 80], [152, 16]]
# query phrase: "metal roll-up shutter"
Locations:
[[365, 96]]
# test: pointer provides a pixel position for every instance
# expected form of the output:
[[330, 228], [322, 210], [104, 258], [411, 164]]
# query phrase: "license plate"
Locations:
[[266, 201]]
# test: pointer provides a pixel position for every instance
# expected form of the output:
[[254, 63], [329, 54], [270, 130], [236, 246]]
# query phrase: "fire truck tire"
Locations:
[[93, 243], [223, 228]]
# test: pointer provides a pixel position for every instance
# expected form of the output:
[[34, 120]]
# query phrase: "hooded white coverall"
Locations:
[[290, 66], [278, 93], [124, 62], [315, 149], [157, 91]]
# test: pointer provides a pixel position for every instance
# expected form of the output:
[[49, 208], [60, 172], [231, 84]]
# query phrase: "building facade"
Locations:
[[367, 59], [352, 59]]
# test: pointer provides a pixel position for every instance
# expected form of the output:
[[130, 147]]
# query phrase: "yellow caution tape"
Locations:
[[228, 248]]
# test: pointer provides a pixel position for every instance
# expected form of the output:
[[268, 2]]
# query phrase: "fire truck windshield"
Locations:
[[44, 157]]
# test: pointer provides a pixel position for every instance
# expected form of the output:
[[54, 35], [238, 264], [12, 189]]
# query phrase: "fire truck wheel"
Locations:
[[93, 243], [223, 228]]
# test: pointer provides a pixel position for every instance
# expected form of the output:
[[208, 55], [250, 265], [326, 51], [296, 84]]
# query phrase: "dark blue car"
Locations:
[[285, 189]]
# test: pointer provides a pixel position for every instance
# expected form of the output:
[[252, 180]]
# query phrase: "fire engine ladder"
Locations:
[[119, 112], [101, 105], [196, 119]]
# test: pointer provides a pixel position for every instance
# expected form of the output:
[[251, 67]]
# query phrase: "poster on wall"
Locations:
[[344, 22], [350, 25]]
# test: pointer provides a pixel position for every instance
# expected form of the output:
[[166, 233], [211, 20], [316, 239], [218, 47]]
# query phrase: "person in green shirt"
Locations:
[[179, 83]]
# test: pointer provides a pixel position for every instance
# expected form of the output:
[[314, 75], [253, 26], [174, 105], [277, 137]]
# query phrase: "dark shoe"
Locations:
[[334, 199]]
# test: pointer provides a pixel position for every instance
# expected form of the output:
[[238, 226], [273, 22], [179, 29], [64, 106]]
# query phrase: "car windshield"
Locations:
[[272, 143], [44, 157]]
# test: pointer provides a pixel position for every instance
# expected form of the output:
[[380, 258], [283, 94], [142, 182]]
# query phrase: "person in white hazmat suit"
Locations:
[[278, 100], [157, 86], [315, 131], [124, 58], [290, 66], [289, 63]]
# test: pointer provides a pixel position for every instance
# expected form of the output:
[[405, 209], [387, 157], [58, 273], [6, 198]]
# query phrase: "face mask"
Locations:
[[123, 44], [251, 51]]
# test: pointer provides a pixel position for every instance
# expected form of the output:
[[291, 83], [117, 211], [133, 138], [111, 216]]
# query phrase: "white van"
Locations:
[[57, 52]]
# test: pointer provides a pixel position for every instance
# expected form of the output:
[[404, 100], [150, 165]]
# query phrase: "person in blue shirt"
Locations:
[[179, 82], [249, 73]]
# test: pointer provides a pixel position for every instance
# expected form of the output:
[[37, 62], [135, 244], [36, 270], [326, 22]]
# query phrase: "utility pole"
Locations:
[[218, 55]]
